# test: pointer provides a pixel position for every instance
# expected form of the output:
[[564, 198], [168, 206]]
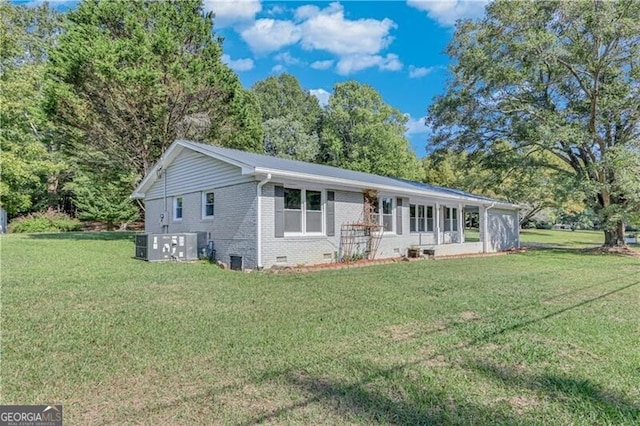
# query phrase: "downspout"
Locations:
[[485, 226], [165, 212], [259, 221]]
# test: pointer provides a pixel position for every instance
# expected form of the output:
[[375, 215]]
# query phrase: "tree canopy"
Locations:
[[557, 77], [128, 78], [26, 134], [361, 132], [291, 118], [282, 96]]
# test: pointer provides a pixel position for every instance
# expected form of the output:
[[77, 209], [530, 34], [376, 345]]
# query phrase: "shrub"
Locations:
[[544, 225], [44, 222]]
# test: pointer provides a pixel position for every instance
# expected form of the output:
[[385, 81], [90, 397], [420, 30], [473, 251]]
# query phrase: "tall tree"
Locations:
[[131, 77], [290, 118], [554, 76], [285, 137], [282, 96], [506, 174], [29, 165], [361, 132]]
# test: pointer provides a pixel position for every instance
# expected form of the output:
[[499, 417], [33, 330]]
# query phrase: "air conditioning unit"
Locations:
[[159, 247]]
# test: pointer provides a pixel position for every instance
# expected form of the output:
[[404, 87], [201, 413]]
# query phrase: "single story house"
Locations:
[[271, 211]]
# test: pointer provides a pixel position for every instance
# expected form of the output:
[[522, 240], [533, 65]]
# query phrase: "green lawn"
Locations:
[[561, 238], [549, 336]]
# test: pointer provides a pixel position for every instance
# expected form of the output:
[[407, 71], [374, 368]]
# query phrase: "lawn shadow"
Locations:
[[489, 335], [574, 392], [96, 236], [559, 247], [406, 401], [591, 250]]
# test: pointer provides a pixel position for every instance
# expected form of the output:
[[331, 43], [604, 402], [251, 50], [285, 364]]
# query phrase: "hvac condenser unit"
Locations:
[[183, 246]]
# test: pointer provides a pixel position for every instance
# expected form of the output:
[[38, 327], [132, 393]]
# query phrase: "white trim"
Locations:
[[303, 213], [335, 183], [174, 216], [359, 185], [426, 217], [259, 220], [203, 200]]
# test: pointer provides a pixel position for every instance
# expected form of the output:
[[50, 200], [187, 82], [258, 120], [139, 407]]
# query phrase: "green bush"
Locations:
[[44, 222]]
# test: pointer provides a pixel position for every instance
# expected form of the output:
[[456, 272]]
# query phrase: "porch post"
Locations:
[[436, 225], [484, 236], [460, 223]]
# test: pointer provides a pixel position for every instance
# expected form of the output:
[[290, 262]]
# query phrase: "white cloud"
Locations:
[[327, 29], [309, 11], [275, 10], [59, 5], [270, 35], [447, 12], [286, 58], [353, 63], [357, 44], [417, 72], [322, 65], [229, 12], [278, 68], [415, 126], [322, 95], [238, 64]]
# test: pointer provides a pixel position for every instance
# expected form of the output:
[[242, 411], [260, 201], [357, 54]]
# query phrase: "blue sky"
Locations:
[[395, 46]]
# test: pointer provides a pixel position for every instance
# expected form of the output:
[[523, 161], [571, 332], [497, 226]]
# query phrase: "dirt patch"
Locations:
[[622, 251], [437, 361], [402, 332], [469, 316], [333, 265], [412, 330], [520, 403]]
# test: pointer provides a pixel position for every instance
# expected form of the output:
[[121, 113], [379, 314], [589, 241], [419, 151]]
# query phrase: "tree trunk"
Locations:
[[615, 237], [52, 193]]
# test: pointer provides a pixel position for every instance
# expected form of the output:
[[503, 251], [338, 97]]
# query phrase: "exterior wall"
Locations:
[[394, 244], [295, 250], [503, 230], [232, 229], [191, 171], [305, 249]]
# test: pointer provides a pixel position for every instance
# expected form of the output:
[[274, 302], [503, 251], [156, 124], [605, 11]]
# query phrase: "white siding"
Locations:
[[503, 229], [191, 171]]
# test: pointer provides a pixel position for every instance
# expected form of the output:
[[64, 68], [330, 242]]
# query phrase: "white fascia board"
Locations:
[[382, 188]]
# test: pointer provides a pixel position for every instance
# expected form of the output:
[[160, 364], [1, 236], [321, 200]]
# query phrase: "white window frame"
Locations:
[[380, 213], [425, 222], [452, 221], [175, 208], [205, 216], [303, 212]]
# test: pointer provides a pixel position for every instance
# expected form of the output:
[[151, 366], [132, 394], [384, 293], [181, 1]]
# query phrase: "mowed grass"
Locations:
[[542, 337], [561, 238]]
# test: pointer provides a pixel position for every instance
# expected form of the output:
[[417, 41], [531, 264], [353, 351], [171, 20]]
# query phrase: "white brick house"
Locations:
[[272, 211]]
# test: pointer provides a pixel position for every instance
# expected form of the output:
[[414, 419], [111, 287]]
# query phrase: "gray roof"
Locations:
[[260, 161]]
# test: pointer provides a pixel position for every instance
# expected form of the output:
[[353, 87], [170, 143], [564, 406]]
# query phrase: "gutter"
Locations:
[[383, 188], [259, 221]]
